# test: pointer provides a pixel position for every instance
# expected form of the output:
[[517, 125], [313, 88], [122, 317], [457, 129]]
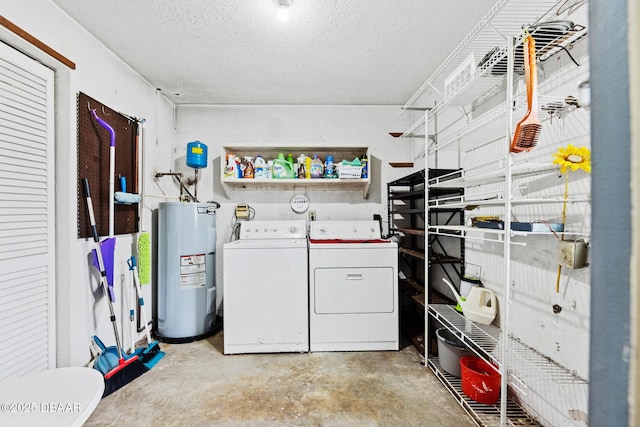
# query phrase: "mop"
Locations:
[[151, 354], [128, 369], [108, 245]]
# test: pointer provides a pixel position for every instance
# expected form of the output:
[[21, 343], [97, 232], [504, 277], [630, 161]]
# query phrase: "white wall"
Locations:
[[107, 79], [292, 126]]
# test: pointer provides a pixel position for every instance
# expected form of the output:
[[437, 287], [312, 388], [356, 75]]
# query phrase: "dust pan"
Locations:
[[151, 354]]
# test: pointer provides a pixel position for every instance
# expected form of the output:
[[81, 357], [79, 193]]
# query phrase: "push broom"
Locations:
[[131, 368]]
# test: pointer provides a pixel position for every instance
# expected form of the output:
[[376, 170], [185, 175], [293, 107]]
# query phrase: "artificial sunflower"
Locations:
[[574, 158], [570, 158]]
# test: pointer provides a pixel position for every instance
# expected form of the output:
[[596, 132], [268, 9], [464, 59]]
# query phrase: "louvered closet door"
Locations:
[[27, 300]]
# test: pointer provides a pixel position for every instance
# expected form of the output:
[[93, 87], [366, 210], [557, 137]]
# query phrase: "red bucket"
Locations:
[[480, 380]]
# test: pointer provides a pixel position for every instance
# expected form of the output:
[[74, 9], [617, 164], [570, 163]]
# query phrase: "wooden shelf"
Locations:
[[412, 252], [230, 184], [412, 231]]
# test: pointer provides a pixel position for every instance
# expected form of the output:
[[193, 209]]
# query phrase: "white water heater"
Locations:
[[186, 296]]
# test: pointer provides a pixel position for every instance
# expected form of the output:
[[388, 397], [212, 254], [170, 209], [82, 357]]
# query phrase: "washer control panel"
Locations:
[[345, 230], [273, 230]]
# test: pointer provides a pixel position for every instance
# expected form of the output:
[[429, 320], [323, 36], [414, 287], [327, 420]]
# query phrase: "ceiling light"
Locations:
[[283, 9]]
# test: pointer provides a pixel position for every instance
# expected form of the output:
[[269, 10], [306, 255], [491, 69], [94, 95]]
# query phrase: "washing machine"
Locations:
[[265, 289], [353, 287]]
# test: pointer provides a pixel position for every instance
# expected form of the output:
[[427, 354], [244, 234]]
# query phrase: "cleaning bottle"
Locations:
[[282, 168], [239, 167], [316, 167], [301, 166], [230, 170], [328, 167], [307, 168], [260, 168], [249, 169], [365, 167]]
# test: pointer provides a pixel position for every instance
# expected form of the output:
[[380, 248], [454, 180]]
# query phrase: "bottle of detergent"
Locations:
[[329, 168], [365, 167], [282, 168], [307, 168], [230, 171], [249, 169], [316, 167], [301, 167], [260, 168]]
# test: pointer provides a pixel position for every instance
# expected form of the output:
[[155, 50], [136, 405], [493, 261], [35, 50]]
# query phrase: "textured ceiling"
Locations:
[[330, 52]]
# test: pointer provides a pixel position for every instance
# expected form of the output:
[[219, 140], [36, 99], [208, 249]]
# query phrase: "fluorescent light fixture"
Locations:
[[283, 9]]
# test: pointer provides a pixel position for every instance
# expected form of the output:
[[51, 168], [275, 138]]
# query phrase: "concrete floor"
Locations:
[[196, 385]]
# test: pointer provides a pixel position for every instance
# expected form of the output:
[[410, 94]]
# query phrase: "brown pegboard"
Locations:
[[93, 164]]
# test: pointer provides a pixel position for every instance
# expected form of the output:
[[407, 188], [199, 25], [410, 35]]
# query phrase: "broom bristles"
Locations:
[[123, 374]]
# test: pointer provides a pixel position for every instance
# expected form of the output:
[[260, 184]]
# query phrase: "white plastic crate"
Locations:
[[347, 171]]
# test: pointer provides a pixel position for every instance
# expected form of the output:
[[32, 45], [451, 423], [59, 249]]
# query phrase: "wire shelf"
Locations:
[[482, 415], [477, 68], [530, 372], [488, 41], [491, 173]]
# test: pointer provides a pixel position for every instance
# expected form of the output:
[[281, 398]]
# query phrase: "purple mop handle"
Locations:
[[105, 125]]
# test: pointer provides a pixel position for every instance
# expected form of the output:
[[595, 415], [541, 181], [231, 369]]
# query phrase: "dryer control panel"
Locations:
[[272, 230], [345, 230]]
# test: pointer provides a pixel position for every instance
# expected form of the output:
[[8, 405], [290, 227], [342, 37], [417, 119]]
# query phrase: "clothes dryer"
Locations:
[[353, 287]]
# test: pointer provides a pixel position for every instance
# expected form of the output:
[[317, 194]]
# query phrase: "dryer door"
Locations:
[[354, 290]]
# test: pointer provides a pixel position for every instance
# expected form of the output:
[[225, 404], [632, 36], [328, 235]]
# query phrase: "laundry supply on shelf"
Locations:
[[329, 167], [232, 170], [365, 167], [260, 168], [282, 168], [317, 168], [248, 170]]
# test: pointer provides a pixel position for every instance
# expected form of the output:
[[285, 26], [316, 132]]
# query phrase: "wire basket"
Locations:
[[347, 171]]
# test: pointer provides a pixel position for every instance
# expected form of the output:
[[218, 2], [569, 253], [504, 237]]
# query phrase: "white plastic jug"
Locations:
[[260, 168], [480, 306]]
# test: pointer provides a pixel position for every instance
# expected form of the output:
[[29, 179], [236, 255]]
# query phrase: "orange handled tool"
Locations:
[[528, 129]]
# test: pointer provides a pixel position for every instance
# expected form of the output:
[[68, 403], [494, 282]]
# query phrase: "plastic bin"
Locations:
[[480, 380], [450, 350]]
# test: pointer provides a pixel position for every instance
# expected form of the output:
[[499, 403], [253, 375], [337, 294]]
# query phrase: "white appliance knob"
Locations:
[[323, 230], [293, 229]]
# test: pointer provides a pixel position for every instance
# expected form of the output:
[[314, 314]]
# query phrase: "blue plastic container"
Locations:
[[196, 155]]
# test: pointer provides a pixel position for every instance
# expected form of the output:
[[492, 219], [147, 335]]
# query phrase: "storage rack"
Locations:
[[406, 216], [498, 36], [525, 366]]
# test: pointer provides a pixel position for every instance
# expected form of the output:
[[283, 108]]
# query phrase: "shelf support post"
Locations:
[[504, 368]]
